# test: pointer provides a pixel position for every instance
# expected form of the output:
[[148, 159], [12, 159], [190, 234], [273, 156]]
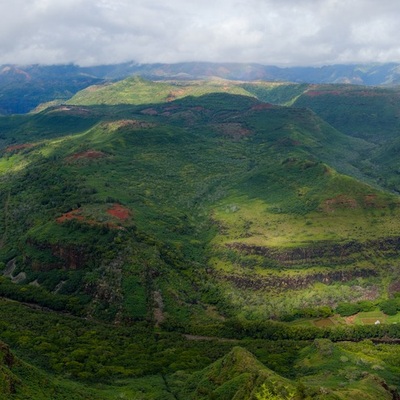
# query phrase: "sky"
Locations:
[[270, 32]]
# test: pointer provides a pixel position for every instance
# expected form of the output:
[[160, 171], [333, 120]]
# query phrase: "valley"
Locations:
[[201, 239]]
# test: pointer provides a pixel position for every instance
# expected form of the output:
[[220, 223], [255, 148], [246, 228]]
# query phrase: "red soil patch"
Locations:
[[371, 200], [340, 201], [74, 214], [350, 320], [90, 154], [315, 93], [131, 123], [16, 147], [77, 216], [119, 212]]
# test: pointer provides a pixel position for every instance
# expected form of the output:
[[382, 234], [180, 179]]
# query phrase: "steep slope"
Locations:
[[371, 114], [368, 113], [238, 375], [149, 179], [324, 371], [22, 88], [19, 380], [339, 372], [208, 215]]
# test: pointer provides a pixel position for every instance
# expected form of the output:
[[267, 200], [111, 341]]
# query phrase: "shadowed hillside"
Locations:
[[148, 229]]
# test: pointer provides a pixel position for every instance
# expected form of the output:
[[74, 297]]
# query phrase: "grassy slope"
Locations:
[[255, 169], [261, 164], [138, 91], [277, 168]]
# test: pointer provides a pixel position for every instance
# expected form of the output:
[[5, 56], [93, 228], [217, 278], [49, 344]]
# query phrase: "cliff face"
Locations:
[[73, 257], [284, 282], [335, 253], [55, 256], [340, 256]]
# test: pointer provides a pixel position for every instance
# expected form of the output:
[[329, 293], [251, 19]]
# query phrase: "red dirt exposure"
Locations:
[[16, 147], [315, 93], [130, 123], [70, 215], [89, 154], [119, 211], [340, 201], [370, 200]]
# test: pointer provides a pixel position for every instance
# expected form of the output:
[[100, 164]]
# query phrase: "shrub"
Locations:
[[347, 309]]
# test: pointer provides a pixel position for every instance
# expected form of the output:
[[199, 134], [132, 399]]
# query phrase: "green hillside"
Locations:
[[135, 90], [328, 371], [143, 238]]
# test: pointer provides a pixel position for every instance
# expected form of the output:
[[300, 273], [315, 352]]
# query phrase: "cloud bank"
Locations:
[[272, 32]]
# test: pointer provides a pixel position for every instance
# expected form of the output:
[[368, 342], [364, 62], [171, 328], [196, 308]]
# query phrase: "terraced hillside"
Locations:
[[150, 239]]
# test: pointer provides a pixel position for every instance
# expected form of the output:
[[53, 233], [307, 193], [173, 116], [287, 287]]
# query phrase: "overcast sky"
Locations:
[[279, 32]]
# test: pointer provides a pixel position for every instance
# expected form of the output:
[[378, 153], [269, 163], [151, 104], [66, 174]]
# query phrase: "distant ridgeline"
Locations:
[[22, 88]]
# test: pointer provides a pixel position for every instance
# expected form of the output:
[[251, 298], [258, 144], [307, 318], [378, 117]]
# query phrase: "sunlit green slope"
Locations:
[[219, 182], [209, 215], [135, 90]]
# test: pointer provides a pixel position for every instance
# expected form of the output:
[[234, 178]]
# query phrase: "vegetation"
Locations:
[[186, 240]]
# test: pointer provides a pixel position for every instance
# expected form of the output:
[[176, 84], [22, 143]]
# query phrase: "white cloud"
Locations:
[[283, 32]]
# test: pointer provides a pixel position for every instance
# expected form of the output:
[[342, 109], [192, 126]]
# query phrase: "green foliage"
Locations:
[[135, 90], [347, 309], [268, 394], [390, 307], [210, 216]]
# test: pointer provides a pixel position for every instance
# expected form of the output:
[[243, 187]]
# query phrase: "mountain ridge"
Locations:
[[25, 87]]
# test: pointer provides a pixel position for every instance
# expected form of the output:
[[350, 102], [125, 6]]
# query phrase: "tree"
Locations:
[[270, 394]]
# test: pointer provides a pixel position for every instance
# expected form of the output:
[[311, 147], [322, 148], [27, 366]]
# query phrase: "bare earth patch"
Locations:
[[350, 320], [130, 123], [89, 154], [74, 214], [17, 147], [119, 212], [158, 311], [72, 110], [340, 201]]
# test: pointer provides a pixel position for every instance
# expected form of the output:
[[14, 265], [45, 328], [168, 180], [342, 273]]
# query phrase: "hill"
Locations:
[[216, 216], [23, 88], [19, 380], [239, 375]]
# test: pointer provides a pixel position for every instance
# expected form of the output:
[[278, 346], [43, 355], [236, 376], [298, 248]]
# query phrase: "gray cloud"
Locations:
[[282, 32]]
